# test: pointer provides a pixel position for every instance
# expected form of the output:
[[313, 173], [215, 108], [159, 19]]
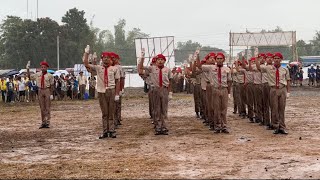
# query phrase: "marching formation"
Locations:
[[260, 87]]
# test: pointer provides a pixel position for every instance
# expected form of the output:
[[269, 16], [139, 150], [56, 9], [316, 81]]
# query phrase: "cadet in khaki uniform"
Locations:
[[279, 81], [258, 89], [236, 88], [45, 82], [266, 92], [116, 63], [242, 87], [207, 83], [108, 88], [147, 78], [221, 92], [160, 77], [196, 74], [249, 90]]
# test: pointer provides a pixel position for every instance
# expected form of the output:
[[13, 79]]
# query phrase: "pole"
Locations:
[[37, 10], [58, 54], [27, 9]]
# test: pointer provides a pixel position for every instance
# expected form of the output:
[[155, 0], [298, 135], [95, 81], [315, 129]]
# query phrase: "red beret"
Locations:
[[154, 59], [262, 55], [105, 54], [210, 55], [253, 59], [114, 55], [269, 54], [203, 61], [221, 54], [44, 63], [278, 55], [160, 56]]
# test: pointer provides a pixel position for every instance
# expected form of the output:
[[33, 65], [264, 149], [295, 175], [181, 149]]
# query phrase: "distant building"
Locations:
[[308, 60]]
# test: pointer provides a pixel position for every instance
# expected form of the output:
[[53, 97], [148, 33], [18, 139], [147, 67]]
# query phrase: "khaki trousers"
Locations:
[[150, 97], [107, 105], [266, 104], [210, 108], [160, 100], [243, 98], [204, 103], [117, 113], [45, 103], [220, 104], [197, 98], [258, 93], [250, 99], [278, 104]]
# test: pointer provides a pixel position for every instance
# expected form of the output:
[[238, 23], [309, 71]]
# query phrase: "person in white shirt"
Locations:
[[21, 89]]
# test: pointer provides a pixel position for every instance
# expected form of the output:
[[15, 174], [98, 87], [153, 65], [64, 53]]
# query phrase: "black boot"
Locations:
[[197, 115]]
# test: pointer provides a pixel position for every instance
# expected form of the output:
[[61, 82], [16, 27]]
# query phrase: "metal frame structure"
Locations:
[[154, 46], [284, 38]]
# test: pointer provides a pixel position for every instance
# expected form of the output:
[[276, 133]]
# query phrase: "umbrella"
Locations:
[[295, 63], [50, 71], [11, 73]]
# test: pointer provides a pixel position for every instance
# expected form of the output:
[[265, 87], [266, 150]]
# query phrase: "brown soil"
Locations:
[[71, 148]]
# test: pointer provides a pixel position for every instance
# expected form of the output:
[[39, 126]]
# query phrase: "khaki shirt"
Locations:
[[153, 72], [48, 79], [241, 76], [257, 75], [249, 76], [265, 75], [205, 79], [225, 75], [122, 73], [82, 80], [284, 75], [113, 74]]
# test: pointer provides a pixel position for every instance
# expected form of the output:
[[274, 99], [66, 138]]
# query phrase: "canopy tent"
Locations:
[[8, 72]]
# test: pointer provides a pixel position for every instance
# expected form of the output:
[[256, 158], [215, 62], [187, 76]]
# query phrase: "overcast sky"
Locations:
[[205, 21]]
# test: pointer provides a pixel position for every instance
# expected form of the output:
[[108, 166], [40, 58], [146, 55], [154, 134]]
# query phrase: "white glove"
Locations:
[[51, 97], [28, 65], [170, 96], [95, 55], [117, 98], [288, 95], [229, 96], [87, 49]]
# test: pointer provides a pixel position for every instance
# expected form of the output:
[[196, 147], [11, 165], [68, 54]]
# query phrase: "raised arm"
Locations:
[[86, 56], [140, 65]]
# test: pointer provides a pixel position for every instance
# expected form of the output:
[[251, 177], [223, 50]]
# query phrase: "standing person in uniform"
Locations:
[[220, 91], [235, 88], [266, 106], [258, 89], [279, 81], [82, 81], [196, 74], [250, 89], [108, 87], [207, 84], [162, 93], [10, 90], [116, 63], [242, 87], [45, 89], [92, 87]]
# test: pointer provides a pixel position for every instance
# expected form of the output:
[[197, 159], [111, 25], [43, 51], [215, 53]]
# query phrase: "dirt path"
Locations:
[[71, 148]]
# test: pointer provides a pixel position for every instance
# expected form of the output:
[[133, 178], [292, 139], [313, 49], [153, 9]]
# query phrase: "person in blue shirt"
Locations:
[[311, 75]]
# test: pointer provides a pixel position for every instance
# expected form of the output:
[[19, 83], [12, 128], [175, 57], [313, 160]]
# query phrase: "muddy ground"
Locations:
[[71, 148]]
